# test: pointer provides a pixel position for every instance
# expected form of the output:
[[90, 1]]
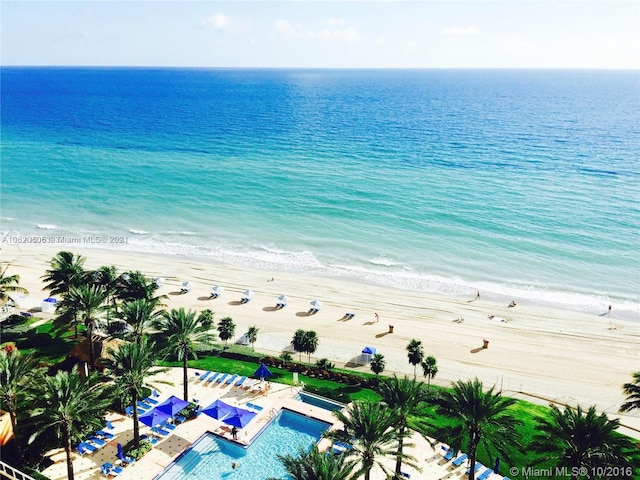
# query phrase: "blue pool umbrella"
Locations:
[[497, 465], [154, 417], [218, 409], [262, 372], [239, 417], [172, 405]]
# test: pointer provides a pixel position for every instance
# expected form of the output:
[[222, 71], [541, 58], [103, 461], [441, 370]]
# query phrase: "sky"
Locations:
[[323, 34]]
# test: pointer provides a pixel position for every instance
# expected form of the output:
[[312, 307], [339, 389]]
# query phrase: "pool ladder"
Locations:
[[273, 412]]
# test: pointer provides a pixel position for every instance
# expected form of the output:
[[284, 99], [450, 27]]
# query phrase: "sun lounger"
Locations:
[[204, 376], [179, 419], [109, 425], [222, 378], [254, 406], [150, 401], [349, 315], [231, 379], [105, 435], [477, 467], [85, 448], [168, 426], [108, 469], [484, 475], [98, 442], [160, 431], [142, 407], [405, 474], [449, 454], [460, 460], [240, 382], [250, 383], [213, 377], [152, 440]]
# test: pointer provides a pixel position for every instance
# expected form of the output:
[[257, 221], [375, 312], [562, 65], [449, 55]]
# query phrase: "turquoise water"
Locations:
[[522, 184], [212, 457]]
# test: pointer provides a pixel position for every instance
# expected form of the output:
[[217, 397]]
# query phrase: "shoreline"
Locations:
[[562, 355]]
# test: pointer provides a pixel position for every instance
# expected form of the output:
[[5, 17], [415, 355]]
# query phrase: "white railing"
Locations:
[[14, 473]]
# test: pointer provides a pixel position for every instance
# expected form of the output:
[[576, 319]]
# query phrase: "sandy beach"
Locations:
[[540, 354]]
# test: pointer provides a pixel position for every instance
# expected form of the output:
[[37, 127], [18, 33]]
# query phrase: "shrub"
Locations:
[[137, 453], [324, 364]]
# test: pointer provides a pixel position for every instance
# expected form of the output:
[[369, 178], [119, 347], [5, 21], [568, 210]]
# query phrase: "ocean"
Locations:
[[523, 184]]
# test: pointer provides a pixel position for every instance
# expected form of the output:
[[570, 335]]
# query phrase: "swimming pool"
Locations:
[[212, 457], [318, 401]]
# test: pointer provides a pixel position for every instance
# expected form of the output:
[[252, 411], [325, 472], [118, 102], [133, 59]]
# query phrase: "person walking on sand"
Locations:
[[609, 309], [377, 317], [478, 295]]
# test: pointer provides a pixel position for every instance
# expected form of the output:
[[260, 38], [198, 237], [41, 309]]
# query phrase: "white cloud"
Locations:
[[296, 31], [336, 22], [225, 23], [460, 31]]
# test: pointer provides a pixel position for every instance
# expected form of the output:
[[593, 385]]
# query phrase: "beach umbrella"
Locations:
[[497, 465], [262, 372], [247, 294], [217, 289], [49, 305], [283, 299], [367, 352], [218, 409], [315, 304], [239, 417], [159, 281], [154, 417], [186, 285], [172, 405]]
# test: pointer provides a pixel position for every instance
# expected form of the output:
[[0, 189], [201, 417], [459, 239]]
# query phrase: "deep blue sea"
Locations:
[[522, 184]]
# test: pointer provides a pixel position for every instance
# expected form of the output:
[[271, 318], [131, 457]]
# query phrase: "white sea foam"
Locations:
[[383, 260], [138, 231], [186, 233], [46, 226]]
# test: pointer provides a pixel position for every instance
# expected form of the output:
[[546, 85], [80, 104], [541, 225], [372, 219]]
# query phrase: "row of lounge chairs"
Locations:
[[450, 455], [142, 406], [233, 380], [96, 441]]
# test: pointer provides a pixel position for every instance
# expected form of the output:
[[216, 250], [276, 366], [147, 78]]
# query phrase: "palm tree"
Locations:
[[70, 405], [311, 343], [140, 315], [415, 354], [377, 363], [369, 428], [9, 284], [403, 396], [581, 440], [632, 390], [107, 278], [252, 335], [299, 342], [430, 369], [184, 336], [67, 271], [130, 366], [226, 329], [134, 286], [317, 465], [17, 372], [206, 318], [82, 304], [482, 418]]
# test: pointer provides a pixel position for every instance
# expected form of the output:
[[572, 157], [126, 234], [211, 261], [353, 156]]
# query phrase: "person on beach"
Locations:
[[478, 295], [234, 433], [377, 317], [512, 304], [609, 309]]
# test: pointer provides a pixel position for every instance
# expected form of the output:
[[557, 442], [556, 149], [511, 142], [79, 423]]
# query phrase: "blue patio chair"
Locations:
[[98, 442], [168, 426], [405, 474], [484, 475], [160, 431], [109, 425], [108, 469], [213, 376], [449, 454], [150, 401], [222, 378], [105, 435], [152, 440], [142, 407], [126, 458], [129, 411], [240, 382], [85, 448], [477, 467], [204, 376], [460, 460], [231, 379]]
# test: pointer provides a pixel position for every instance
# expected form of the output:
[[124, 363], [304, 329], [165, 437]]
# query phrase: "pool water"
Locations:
[[212, 457], [321, 402]]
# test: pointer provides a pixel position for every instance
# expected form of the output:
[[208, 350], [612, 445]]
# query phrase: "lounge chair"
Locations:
[[105, 435], [109, 425], [179, 419], [85, 448], [449, 454], [484, 475], [129, 411], [477, 467], [150, 401], [152, 440], [240, 382], [204, 376], [98, 442], [254, 406], [168, 426], [142, 407], [222, 378], [231, 379], [108, 469], [160, 431], [405, 474], [126, 458], [460, 460], [281, 305], [250, 383], [313, 311], [349, 315], [213, 376]]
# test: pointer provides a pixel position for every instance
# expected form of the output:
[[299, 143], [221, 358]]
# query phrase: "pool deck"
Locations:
[[279, 396]]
